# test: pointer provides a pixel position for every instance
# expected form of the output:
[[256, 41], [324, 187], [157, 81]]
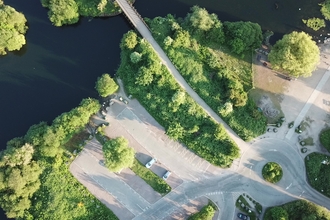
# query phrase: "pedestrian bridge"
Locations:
[[135, 18]]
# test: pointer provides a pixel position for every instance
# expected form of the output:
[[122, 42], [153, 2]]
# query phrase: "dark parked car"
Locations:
[[242, 216], [166, 175]]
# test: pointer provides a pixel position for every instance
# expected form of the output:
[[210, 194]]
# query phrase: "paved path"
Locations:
[[309, 102]]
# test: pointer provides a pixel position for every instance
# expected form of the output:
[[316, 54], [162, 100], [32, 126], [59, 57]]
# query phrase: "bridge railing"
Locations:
[[137, 13]]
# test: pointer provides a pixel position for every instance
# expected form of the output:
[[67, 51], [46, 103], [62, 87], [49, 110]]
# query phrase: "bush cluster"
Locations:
[[299, 209], [152, 84], [220, 78], [314, 23], [272, 172]]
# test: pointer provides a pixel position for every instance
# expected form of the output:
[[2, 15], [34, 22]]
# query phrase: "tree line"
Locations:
[[34, 178]]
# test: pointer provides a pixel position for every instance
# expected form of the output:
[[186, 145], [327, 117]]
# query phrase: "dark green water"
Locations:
[[58, 66]]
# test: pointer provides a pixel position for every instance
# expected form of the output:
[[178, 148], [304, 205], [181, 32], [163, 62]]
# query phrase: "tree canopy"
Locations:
[[242, 36], [12, 29], [118, 154], [203, 25], [62, 12], [296, 54], [105, 85], [19, 178]]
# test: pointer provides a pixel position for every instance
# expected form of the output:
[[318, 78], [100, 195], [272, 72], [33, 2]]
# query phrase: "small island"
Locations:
[[12, 29], [66, 12]]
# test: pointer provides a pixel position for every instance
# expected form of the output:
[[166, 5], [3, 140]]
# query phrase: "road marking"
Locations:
[[140, 207], [301, 193], [288, 186], [272, 150]]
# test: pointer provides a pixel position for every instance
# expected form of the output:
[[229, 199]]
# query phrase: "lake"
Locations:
[[58, 67]]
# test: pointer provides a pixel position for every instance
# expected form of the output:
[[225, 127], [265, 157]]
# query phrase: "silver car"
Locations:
[[151, 162]]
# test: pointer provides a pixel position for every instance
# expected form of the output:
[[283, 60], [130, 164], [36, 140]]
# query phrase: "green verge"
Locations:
[[299, 209], [220, 78], [325, 139], [272, 172], [318, 172], [206, 213], [157, 183], [61, 196], [156, 89]]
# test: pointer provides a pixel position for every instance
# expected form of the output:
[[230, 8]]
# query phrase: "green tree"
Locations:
[[325, 9], [204, 26], [129, 40], [145, 76], [135, 57], [62, 12], [296, 54], [105, 85], [12, 29], [179, 97], [118, 154], [200, 18], [19, 179], [175, 131], [242, 36]]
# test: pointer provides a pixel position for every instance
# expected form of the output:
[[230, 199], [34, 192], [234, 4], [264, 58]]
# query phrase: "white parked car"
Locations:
[[151, 162], [166, 175]]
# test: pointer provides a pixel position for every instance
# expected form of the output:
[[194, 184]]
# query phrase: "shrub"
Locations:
[[325, 139], [314, 23]]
